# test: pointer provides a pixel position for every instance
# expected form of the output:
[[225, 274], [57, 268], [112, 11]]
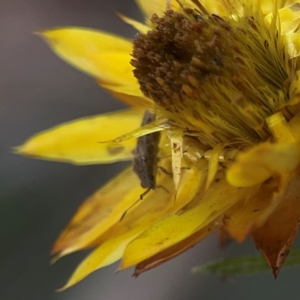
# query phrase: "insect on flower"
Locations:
[[224, 76], [145, 158]]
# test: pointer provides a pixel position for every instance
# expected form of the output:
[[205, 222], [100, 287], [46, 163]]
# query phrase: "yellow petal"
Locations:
[[275, 238], [104, 255], [266, 159], [213, 163], [93, 52], [142, 28], [155, 126], [192, 180], [113, 241], [129, 97], [157, 204], [262, 162], [78, 142], [177, 249], [99, 212], [292, 42], [294, 126], [294, 91], [246, 216], [268, 6], [170, 231], [152, 208], [217, 7], [280, 129], [289, 18], [156, 7], [176, 139]]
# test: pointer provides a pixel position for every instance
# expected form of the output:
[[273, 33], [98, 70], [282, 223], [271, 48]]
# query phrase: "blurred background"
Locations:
[[38, 198]]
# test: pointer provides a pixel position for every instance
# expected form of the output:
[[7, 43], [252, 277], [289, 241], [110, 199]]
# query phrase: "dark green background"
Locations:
[[38, 198]]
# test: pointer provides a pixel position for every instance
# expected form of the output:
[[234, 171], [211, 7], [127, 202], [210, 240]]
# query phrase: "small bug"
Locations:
[[145, 156], [146, 159]]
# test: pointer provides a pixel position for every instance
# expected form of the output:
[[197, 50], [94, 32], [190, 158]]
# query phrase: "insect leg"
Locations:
[[162, 187], [137, 201], [164, 170]]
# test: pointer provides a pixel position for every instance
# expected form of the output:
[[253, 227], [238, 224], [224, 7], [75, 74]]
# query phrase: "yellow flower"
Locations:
[[222, 78]]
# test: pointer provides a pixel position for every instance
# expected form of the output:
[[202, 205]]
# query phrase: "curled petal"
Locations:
[[262, 162], [275, 238], [192, 181], [245, 217], [280, 129]]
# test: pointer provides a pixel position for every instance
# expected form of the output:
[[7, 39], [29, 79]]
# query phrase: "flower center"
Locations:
[[213, 77]]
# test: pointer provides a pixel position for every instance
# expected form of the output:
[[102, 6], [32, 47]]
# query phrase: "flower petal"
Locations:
[[78, 141], [213, 163], [113, 241], [177, 249], [275, 238], [294, 125], [170, 231], [157, 7], [192, 180], [81, 46], [292, 42], [93, 52], [262, 162], [246, 216], [220, 8], [154, 206], [280, 129], [176, 139], [102, 256], [138, 102], [99, 212], [294, 99], [155, 126], [142, 28], [157, 204], [289, 17]]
